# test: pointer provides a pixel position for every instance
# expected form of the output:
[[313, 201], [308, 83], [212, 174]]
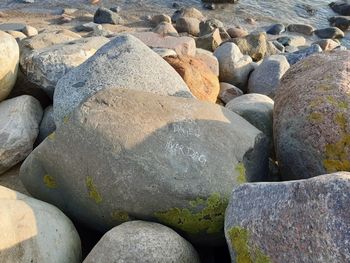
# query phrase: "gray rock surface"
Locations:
[[9, 59], [329, 32], [34, 231], [106, 16], [47, 125], [234, 67], [125, 62], [19, 127], [46, 66], [297, 221], [188, 25], [301, 28], [124, 150], [265, 79], [228, 92], [139, 241]]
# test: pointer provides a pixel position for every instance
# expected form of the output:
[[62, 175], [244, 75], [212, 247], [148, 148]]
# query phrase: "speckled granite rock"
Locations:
[[312, 117]]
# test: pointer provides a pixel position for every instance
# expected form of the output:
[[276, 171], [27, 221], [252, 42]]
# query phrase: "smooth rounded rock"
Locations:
[[34, 231], [139, 241], [123, 150], [228, 92], [255, 108], [234, 67], [265, 79], [311, 117], [276, 29], [301, 28], [327, 44], [301, 54], [125, 62], [341, 22], [106, 16], [298, 221], [237, 32], [19, 127], [165, 29], [9, 60], [188, 25], [329, 32], [200, 79]]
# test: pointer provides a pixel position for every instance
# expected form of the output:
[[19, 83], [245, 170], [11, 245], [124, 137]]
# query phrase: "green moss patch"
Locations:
[[209, 218], [93, 193], [241, 179], [49, 181], [244, 252]]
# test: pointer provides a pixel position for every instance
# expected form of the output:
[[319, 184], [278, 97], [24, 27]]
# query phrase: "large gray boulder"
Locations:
[[9, 59], [233, 65], [122, 151], [298, 221], [312, 117], [139, 241], [34, 231], [46, 66], [19, 127], [125, 62], [265, 79]]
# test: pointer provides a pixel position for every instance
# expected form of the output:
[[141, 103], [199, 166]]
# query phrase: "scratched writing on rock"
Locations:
[[179, 149]]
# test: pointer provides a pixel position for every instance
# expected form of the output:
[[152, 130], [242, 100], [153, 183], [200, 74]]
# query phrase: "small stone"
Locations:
[[341, 8], [210, 41], [200, 79], [228, 92], [279, 46], [237, 32], [209, 6], [116, 9], [106, 16], [30, 31], [139, 241], [302, 53], [17, 35], [19, 122], [276, 29], [265, 79], [190, 12], [165, 29], [188, 25], [341, 22], [88, 27], [301, 28], [209, 25], [233, 65], [157, 19], [329, 32], [292, 41], [327, 44]]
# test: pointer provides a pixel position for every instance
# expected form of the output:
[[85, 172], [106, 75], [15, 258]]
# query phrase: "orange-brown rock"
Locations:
[[200, 79]]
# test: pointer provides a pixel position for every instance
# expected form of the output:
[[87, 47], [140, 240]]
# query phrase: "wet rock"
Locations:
[[46, 66], [228, 92], [200, 79], [279, 46], [297, 218], [47, 124], [329, 32], [209, 59], [265, 79], [34, 231], [327, 44], [188, 25], [311, 117], [125, 62], [139, 241], [165, 29], [106, 16], [237, 32], [276, 29], [341, 22], [124, 150], [19, 127], [301, 29], [303, 53], [9, 59], [342, 8], [233, 65], [255, 108], [210, 41], [255, 45], [181, 45]]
